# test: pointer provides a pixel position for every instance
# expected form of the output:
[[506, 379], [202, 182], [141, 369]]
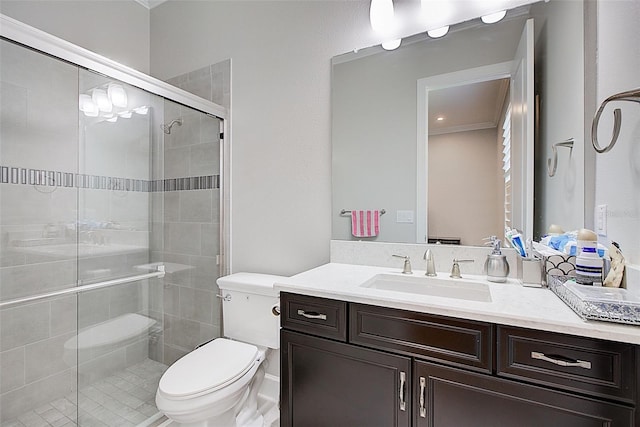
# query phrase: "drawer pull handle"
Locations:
[[579, 363], [423, 410], [312, 315], [403, 379]]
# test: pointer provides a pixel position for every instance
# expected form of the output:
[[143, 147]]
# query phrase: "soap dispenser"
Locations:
[[496, 265]]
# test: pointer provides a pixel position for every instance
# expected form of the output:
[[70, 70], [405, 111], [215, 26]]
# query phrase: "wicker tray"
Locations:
[[597, 303]]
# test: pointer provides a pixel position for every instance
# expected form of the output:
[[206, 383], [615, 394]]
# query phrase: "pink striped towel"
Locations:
[[365, 223]]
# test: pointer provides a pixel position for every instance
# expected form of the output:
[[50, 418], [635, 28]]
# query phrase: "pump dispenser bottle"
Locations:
[[496, 265]]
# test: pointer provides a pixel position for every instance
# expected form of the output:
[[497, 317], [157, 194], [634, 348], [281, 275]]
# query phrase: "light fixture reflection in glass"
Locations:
[[391, 44], [438, 32], [117, 95], [440, 118], [492, 18], [381, 16], [141, 110], [100, 98], [125, 114], [113, 119], [87, 106]]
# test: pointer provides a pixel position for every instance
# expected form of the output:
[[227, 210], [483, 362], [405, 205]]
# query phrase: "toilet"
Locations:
[[216, 385]]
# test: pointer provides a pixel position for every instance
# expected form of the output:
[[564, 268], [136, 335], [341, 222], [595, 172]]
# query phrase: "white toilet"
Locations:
[[217, 384]]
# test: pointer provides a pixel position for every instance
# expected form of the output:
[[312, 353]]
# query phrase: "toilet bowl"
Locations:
[[216, 385]]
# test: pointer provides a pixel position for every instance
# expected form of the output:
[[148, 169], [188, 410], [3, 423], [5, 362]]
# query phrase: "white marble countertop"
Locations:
[[511, 303]]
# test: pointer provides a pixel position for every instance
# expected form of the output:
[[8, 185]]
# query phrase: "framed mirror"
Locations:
[[383, 157]]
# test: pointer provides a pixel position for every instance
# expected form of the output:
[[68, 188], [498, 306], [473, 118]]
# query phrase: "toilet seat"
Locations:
[[208, 368]]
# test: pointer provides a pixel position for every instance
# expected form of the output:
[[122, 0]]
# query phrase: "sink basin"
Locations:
[[431, 286]]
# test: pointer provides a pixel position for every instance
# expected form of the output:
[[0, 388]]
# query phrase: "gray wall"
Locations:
[[280, 54], [618, 172], [118, 30], [560, 82]]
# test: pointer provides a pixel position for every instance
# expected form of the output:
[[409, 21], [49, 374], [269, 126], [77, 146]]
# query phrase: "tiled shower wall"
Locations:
[[190, 219]]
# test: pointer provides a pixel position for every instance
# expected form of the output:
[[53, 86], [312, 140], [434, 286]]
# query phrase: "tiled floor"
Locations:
[[126, 398]]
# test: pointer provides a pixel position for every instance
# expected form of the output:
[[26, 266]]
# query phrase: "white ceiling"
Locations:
[[467, 107]]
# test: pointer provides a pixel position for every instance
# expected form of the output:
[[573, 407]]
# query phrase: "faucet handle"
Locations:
[[407, 264], [455, 270]]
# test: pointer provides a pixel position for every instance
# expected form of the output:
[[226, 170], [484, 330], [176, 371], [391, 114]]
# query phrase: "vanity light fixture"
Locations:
[[381, 16], [492, 18], [438, 32], [391, 44]]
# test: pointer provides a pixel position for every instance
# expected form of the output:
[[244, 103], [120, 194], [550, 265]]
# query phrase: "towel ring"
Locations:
[[551, 170], [632, 96]]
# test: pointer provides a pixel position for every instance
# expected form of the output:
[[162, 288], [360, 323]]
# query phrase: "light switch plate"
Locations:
[[601, 220], [404, 217]]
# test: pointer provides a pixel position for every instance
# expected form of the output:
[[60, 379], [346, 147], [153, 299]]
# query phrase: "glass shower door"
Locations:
[[120, 326]]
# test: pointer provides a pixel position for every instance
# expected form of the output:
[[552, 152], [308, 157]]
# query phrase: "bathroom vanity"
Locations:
[[352, 355]]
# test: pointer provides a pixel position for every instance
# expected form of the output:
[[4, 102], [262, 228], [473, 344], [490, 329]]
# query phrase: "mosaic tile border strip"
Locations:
[[47, 178]]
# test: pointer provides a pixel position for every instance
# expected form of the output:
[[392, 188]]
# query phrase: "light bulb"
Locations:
[[117, 95], [492, 18], [438, 32], [391, 44], [100, 98], [381, 15]]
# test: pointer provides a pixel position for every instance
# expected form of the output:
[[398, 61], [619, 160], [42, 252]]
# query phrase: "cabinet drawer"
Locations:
[[317, 316], [444, 339], [596, 367]]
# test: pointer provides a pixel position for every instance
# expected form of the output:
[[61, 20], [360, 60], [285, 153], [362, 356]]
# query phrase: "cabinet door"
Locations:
[[450, 397], [332, 384]]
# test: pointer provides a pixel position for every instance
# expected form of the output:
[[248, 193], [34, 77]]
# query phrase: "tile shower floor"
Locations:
[[126, 398]]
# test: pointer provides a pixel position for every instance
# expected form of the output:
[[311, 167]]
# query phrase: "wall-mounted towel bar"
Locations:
[[344, 211], [551, 170], [632, 96]]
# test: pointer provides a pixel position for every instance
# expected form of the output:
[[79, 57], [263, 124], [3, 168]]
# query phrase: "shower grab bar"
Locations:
[[159, 273]]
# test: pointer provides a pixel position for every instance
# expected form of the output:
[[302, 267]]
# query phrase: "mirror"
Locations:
[[380, 133]]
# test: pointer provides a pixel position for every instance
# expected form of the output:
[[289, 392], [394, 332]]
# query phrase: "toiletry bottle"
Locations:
[[588, 262], [496, 265]]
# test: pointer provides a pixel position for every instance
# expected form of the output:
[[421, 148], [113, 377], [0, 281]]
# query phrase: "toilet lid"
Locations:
[[208, 368]]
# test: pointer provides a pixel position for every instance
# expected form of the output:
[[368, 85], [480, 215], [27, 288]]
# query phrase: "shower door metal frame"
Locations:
[[48, 44]]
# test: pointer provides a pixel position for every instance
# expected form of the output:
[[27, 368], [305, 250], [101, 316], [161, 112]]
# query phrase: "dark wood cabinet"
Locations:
[[331, 384], [348, 364], [454, 397]]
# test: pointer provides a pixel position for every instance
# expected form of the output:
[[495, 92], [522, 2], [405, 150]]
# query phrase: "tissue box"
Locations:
[[555, 263]]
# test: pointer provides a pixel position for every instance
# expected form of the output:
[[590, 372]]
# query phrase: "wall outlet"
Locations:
[[404, 217], [601, 220]]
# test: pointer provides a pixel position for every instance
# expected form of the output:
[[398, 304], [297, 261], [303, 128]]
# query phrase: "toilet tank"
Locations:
[[247, 308]]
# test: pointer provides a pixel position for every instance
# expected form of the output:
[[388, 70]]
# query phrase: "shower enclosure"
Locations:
[[110, 232]]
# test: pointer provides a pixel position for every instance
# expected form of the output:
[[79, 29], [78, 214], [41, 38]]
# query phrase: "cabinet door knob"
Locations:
[[578, 363], [423, 386], [312, 315], [403, 380]]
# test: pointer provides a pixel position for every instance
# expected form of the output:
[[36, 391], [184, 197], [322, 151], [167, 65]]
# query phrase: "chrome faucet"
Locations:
[[406, 269], [431, 265], [455, 270]]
